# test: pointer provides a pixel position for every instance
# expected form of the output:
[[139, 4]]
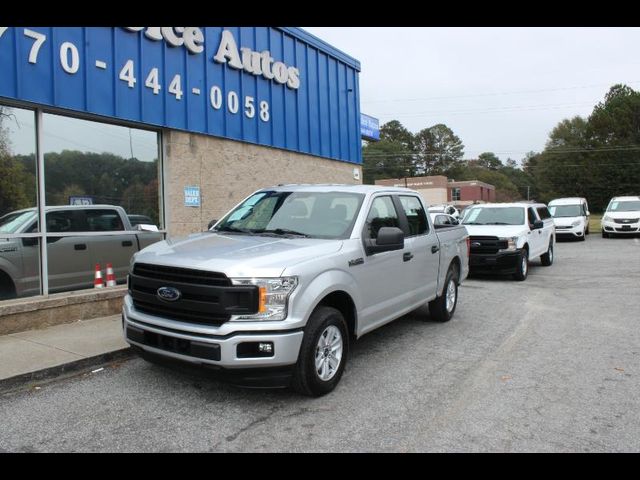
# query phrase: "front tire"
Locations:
[[443, 307], [323, 353], [523, 266], [605, 234]]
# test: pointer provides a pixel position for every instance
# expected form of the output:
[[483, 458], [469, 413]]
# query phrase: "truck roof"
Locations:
[[337, 187], [67, 207], [505, 205]]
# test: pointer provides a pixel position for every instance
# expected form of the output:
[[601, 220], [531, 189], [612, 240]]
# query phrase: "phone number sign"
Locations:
[[258, 84]]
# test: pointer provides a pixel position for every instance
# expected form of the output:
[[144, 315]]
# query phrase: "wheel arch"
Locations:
[[342, 301]]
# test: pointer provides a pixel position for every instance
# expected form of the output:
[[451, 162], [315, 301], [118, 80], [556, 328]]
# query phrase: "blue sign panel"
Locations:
[[369, 127], [278, 87], [191, 196]]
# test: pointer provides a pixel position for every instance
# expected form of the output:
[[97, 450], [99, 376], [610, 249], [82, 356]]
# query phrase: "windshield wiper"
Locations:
[[498, 223], [282, 231], [473, 223], [233, 230]]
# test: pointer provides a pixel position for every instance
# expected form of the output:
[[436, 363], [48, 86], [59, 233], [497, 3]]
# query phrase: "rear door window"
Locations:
[[103, 221], [416, 216]]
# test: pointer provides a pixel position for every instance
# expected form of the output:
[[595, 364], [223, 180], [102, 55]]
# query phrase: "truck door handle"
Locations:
[[127, 243], [80, 246], [407, 256], [435, 248]]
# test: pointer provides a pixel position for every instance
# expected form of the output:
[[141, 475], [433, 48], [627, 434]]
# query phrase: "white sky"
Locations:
[[499, 89]]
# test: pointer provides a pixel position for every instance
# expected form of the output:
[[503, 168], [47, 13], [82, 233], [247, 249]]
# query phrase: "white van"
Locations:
[[570, 216]]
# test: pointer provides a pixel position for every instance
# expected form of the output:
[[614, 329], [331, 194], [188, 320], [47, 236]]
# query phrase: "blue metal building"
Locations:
[[274, 86]]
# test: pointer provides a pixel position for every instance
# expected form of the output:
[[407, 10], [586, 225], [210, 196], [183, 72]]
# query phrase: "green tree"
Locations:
[[439, 150], [596, 157], [489, 160], [17, 187]]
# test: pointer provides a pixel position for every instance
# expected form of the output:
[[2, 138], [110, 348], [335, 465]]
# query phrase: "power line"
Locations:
[[495, 93]]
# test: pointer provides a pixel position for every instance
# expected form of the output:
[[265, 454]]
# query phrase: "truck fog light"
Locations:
[[265, 347]]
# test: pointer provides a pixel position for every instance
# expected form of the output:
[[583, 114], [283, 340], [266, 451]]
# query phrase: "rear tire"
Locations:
[[443, 307], [323, 353], [547, 258], [523, 266]]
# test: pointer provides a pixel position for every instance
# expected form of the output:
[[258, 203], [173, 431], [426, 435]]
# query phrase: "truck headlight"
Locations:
[[576, 223], [273, 296], [512, 244]]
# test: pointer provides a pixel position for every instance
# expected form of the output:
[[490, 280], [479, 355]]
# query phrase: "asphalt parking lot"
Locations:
[[549, 364]]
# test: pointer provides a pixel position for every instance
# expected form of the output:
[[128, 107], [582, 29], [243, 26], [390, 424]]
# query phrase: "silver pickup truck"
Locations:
[[272, 294], [72, 258]]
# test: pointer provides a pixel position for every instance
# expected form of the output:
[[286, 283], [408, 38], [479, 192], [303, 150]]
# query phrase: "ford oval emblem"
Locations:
[[169, 294]]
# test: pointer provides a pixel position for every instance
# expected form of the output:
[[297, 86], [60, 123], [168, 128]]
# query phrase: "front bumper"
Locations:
[[571, 231], [621, 228], [501, 262], [198, 345]]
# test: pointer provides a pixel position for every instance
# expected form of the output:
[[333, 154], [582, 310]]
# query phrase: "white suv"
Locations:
[[506, 236], [570, 216], [622, 217]]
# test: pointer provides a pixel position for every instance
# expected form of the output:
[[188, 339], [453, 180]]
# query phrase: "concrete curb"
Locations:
[[20, 382]]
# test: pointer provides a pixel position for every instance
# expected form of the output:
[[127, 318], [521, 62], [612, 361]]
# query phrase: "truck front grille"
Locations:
[[486, 245], [626, 220], [206, 298]]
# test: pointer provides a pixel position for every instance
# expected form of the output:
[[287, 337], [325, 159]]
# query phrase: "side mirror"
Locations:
[[587, 213], [388, 239], [538, 224], [212, 223]]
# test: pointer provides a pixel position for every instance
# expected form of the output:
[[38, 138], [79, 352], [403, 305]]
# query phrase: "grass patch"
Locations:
[[594, 223]]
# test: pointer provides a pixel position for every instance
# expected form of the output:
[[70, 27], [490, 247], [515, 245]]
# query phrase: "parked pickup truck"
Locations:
[[272, 294], [505, 237], [72, 259]]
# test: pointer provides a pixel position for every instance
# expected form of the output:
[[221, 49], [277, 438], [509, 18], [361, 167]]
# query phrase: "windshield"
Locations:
[[566, 211], [627, 206], [12, 222], [327, 215], [494, 216]]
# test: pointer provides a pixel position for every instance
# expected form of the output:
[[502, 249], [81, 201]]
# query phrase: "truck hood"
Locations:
[[237, 255], [497, 230], [566, 221]]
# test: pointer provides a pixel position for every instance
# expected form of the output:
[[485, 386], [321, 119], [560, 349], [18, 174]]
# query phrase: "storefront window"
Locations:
[[19, 249], [100, 182], [96, 175]]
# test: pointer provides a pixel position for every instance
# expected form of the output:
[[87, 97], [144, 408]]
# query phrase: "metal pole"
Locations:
[[42, 221], [527, 193]]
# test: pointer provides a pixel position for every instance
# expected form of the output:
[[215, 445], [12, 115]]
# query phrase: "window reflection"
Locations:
[[90, 163], [19, 256]]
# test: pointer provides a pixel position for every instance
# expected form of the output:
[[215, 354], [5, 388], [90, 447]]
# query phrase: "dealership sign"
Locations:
[[369, 127], [279, 87]]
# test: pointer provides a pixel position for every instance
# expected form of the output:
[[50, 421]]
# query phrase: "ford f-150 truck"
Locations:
[[505, 237], [274, 291], [71, 256]]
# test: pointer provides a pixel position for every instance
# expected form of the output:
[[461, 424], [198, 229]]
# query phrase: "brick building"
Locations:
[[437, 189]]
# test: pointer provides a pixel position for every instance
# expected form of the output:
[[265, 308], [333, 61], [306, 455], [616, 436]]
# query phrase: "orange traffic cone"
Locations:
[[97, 279], [111, 278]]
